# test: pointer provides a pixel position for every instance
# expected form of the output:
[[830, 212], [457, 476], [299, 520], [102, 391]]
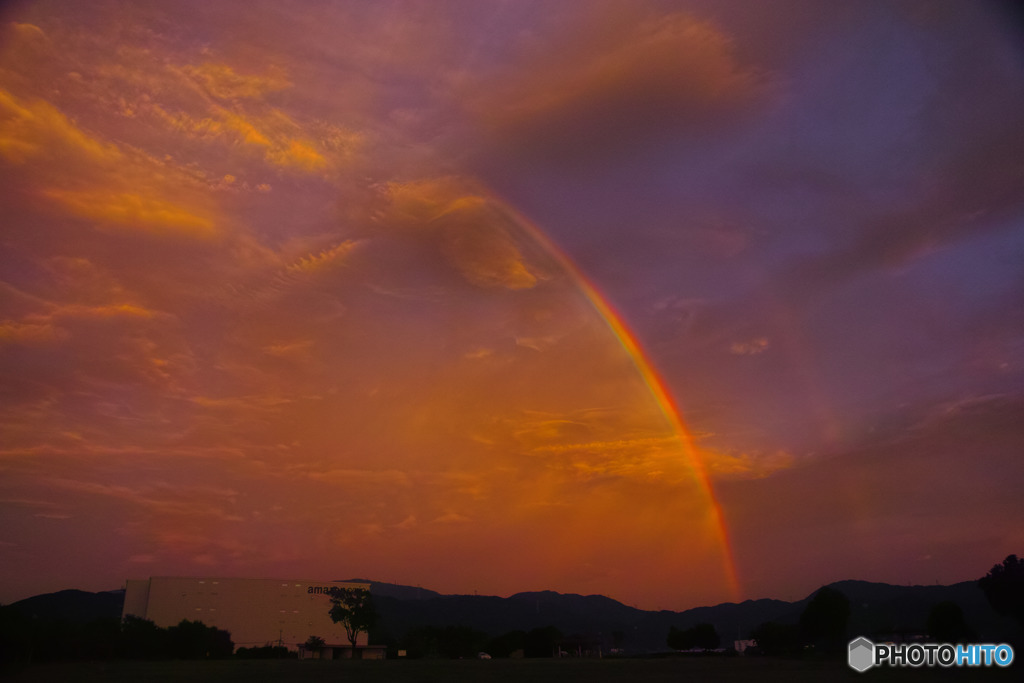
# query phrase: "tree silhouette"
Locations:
[[142, 639], [314, 644], [824, 620], [447, 642], [1004, 588], [354, 608], [196, 640], [777, 639], [541, 642], [946, 624], [703, 636]]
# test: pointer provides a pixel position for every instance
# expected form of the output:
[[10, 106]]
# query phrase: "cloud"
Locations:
[[134, 211], [143, 558], [126, 343], [31, 129], [179, 502], [81, 174], [486, 257], [223, 82], [325, 259], [245, 404], [451, 517], [357, 479], [28, 32], [282, 142], [474, 234], [287, 349], [956, 456], [536, 343], [613, 84], [745, 465], [753, 347], [29, 334]]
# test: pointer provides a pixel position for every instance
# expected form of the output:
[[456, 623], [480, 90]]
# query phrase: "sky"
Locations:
[[675, 302]]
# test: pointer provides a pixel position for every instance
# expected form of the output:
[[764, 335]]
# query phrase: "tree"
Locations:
[[354, 608], [266, 652], [142, 639], [196, 640], [946, 624], [1004, 588], [447, 642], [541, 642], [777, 639], [507, 643], [16, 637], [314, 644], [677, 639], [824, 620], [702, 636]]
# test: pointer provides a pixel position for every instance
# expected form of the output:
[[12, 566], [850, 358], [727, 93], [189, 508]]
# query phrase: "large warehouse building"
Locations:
[[256, 612]]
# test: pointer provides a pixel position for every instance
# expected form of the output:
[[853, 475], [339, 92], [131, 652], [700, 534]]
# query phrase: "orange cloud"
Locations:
[[250, 133], [487, 257], [475, 235], [299, 154], [113, 311], [223, 82], [746, 465], [29, 32], [325, 259], [281, 148], [29, 334], [135, 211], [749, 348], [30, 129], [296, 348], [62, 156], [421, 201], [356, 478], [198, 128]]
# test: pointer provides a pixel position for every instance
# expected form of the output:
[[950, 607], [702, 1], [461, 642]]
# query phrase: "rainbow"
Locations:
[[655, 384]]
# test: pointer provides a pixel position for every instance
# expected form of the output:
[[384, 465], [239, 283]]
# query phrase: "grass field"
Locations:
[[496, 671]]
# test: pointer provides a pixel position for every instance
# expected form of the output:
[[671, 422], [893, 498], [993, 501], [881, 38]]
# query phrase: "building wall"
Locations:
[[256, 612], [136, 597]]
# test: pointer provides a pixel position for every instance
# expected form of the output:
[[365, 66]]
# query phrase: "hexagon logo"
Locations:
[[861, 656]]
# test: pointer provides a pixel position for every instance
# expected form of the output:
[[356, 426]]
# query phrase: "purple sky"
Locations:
[[272, 303]]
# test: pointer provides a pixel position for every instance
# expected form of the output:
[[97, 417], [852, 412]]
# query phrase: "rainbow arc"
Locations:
[[655, 384]]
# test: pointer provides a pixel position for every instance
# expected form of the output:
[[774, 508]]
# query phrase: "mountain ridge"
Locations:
[[875, 608]]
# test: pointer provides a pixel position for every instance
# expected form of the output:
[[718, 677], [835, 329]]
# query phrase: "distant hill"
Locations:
[[876, 609], [881, 608], [73, 605], [397, 591]]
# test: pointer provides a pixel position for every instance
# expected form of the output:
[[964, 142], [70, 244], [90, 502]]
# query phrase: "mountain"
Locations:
[[875, 609], [397, 591], [72, 605], [884, 608]]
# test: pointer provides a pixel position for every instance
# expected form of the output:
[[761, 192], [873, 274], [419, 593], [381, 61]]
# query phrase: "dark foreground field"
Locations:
[[497, 671]]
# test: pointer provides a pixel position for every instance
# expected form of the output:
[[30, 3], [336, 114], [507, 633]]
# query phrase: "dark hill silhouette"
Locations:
[[881, 608], [73, 605], [397, 591], [876, 609]]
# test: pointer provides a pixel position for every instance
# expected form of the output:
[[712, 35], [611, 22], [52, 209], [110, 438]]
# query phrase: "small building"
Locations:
[[256, 612], [581, 646], [742, 646], [342, 651]]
